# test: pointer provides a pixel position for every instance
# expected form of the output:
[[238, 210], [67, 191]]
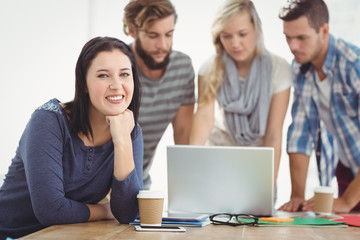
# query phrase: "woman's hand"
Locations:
[[100, 211], [121, 126], [108, 213]]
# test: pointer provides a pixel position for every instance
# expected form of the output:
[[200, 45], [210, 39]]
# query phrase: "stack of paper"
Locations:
[[182, 220]]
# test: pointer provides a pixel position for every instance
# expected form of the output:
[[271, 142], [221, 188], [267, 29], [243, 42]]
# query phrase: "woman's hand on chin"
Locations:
[[121, 126]]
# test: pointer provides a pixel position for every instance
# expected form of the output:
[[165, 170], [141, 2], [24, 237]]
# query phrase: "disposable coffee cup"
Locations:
[[150, 207], [323, 199]]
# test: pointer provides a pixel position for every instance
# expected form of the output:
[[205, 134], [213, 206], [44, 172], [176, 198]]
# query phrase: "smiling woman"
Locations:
[[71, 154], [110, 86]]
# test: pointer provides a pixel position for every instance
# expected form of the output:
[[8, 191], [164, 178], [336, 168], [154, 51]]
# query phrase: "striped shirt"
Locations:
[[160, 101], [308, 131]]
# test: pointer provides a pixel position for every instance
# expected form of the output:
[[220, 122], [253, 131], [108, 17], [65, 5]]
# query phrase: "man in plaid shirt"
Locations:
[[326, 106]]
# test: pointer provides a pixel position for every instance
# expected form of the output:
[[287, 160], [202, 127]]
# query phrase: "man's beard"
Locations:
[[148, 60]]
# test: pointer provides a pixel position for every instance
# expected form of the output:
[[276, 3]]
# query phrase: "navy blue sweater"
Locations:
[[53, 175]]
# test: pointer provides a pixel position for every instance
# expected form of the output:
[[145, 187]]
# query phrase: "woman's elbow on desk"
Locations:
[[126, 213], [61, 213], [125, 219], [123, 201]]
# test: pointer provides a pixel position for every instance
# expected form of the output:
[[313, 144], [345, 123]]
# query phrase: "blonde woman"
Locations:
[[244, 89]]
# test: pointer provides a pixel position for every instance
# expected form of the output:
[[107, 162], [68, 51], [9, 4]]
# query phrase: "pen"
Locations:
[[276, 219]]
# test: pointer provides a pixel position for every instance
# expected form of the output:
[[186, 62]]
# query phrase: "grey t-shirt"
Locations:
[[160, 101]]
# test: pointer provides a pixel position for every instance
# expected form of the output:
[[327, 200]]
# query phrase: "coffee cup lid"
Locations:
[[150, 194], [324, 189]]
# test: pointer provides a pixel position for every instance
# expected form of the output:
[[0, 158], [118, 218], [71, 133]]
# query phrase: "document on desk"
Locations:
[[184, 217], [181, 220]]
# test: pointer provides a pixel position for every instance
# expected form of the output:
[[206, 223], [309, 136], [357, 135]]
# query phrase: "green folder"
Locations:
[[314, 222]]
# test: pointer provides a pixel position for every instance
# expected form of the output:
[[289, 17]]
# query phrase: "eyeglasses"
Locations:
[[233, 219]]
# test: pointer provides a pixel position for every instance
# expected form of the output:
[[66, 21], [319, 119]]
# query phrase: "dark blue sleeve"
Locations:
[[124, 204], [42, 152]]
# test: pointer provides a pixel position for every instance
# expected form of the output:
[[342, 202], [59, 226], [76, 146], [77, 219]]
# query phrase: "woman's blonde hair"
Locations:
[[214, 75]]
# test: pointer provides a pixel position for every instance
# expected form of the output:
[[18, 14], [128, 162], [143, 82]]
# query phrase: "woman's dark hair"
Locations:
[[78, 109]]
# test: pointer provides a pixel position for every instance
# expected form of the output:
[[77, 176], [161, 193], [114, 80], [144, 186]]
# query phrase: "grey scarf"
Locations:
[[246, 106]]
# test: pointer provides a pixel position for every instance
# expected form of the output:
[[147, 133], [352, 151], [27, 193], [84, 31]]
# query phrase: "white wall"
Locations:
[[41, 39]]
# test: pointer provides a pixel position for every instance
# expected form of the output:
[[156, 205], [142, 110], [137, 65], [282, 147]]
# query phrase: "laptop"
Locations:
[[220, 179]]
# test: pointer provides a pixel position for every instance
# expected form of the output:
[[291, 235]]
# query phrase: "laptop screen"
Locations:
[[220, 179]]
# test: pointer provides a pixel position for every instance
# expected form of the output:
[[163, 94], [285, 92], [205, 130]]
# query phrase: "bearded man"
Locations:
[[166, 76]]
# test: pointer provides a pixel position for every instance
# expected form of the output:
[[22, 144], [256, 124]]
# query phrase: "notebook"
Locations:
[[220, 179]]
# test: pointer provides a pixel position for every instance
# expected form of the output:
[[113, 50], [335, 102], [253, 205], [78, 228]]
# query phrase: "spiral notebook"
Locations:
[[219, 179]]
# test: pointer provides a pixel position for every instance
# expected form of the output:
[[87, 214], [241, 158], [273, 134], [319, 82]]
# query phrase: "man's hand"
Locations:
[[341, 206], [298, 172], [295, 204], [309, 205]]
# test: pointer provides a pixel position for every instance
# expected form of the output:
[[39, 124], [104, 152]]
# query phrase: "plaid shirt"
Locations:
[[307, 131]]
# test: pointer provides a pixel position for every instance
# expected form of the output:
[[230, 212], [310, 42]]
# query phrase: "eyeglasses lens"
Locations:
[[222, 218], [243, 219]]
